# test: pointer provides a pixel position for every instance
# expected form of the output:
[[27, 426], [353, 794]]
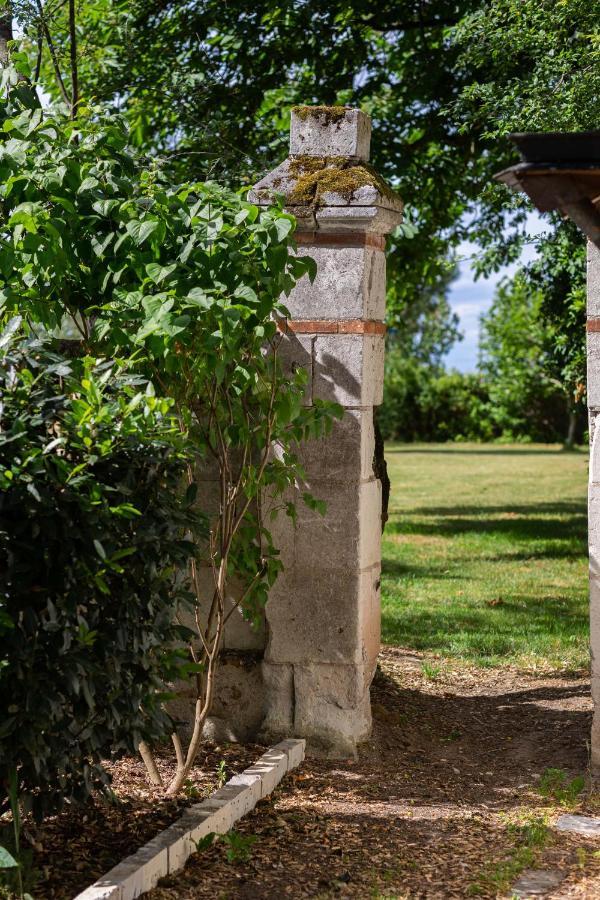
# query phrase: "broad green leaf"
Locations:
[[159, 273], [283, 227], [105, 207], [88, 184], [141, 230], [7, 860]]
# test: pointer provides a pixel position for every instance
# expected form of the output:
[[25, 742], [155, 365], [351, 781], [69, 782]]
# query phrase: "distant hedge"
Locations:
[[424, 404]]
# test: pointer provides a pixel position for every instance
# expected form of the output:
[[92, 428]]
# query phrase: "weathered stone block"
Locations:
[[271, 767], [330, 131], [595, 740], [345, 454], [574, 824], [252, 782], [595, 622], [593, 369], [239, 633], [234, 800], [593, 280], [536, 883], [350, 284], [279, 700], [128, 877], [320, 616], [346, 537], [153, 863], [333, 707], [294, 749], [594, 472], [100, 892], [594, 527], [237, 710], [178, 843], [348, 369], [296, 352], [370, 617], [378, 218]]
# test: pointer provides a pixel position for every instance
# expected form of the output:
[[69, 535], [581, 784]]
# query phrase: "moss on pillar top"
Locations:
[[314, 176], [329, 115]]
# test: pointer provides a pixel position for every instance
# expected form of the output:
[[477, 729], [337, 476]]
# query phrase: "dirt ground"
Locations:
[[443, 802]]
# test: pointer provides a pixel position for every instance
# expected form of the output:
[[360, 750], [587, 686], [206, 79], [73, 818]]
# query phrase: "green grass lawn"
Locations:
[[484, 554]]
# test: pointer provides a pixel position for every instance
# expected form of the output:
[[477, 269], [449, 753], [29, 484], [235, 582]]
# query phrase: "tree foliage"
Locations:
[[421, 403], [525, 400], [436, 77]]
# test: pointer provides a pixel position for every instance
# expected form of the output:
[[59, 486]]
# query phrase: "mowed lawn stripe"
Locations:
[[485, 556]]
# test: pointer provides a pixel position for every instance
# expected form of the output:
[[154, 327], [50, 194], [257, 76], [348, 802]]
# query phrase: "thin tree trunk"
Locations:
[[73, 52], [6, 33], [570, 441], [53, 54], [150, 763]]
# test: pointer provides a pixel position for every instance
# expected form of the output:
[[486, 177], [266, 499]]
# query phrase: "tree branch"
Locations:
[[38, 60], [6, 33], [73, 53], [53, 55]]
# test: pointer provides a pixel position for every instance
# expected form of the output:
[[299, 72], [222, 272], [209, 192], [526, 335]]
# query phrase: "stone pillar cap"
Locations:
[[330, 131], [327, 181]]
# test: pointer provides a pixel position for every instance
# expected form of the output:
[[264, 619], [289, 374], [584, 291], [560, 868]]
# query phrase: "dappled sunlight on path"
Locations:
[[429, 808]]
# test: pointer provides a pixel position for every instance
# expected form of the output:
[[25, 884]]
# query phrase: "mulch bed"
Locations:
[[79, 845], [425, 812]]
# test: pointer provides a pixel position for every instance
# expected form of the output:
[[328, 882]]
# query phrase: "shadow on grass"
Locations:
[[555, 508], [479, 630], [558, 521], [456, 450], [400, 568]]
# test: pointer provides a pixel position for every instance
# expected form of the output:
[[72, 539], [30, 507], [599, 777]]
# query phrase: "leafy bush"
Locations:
[[526, 399], [424, 403], [421, 403], [92, 527]]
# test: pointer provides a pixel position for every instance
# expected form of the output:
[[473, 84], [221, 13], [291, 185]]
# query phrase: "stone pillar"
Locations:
[[323, 615], [593, 394]]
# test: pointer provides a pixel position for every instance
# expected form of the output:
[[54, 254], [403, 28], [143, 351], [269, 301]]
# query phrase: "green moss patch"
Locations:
[[327, 115], [315, 176]]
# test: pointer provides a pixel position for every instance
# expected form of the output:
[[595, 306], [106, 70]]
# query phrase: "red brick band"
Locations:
[[326, 326], [593, 324], [341, 239]]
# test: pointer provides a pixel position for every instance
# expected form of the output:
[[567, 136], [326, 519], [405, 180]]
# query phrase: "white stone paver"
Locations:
[[579, 825], [536, 882]]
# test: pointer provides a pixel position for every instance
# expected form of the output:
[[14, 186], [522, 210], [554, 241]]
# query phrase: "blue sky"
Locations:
[[469, 298]]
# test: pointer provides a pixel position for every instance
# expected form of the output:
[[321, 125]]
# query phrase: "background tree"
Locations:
[[435, 75], [525, 399]]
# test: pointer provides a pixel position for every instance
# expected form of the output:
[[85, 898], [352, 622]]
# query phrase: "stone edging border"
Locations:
[[169, 851]]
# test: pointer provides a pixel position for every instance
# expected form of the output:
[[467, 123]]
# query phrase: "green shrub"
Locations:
[[92, 527], [422, 403]]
